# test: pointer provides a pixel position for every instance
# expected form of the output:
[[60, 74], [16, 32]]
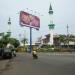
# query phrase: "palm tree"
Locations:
[[5, 39], [24, 41], [62, 39]]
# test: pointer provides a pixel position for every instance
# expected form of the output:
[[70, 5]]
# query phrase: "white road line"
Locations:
[[61, 54]]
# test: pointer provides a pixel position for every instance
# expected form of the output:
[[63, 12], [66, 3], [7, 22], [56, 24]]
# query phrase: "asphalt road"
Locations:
[[46, 64]]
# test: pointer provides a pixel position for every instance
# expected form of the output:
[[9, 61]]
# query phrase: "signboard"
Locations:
[[29, 20]]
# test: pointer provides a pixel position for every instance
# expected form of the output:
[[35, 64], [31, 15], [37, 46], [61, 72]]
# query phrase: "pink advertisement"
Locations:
[[29, 20]]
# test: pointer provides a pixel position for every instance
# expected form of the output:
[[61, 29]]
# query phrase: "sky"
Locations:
[[64, 13]]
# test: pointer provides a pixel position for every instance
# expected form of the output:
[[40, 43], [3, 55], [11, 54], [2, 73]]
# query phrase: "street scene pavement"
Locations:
[[46, 64]]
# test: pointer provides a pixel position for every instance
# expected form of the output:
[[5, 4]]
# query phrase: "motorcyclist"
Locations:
[[34, 53]]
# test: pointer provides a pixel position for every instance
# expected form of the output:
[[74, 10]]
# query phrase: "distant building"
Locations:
[[56, 40]]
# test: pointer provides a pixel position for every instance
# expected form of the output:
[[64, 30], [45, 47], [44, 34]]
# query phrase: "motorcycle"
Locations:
[[34, 54]]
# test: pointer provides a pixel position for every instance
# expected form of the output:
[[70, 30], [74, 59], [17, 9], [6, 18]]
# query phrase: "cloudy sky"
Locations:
[[64, 13]]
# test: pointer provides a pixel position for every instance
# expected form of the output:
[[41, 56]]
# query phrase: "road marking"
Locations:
[[60, 54]]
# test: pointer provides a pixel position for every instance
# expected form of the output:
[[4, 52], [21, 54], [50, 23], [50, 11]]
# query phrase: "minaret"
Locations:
[[9, 24], [51, 25]]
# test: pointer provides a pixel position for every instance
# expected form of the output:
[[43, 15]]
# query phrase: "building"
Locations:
[[58, 40]]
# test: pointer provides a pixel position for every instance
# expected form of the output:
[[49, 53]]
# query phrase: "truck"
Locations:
[[7, 53]]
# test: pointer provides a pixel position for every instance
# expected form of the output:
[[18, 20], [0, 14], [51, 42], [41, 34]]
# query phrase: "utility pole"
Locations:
[[24, 40], [67, 36]]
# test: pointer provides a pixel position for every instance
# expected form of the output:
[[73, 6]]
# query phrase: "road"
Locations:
[[47, 64]]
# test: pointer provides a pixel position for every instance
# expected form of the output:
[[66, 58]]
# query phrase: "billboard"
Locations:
[[29, 20]]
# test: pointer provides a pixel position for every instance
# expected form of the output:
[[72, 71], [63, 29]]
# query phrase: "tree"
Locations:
[[5, 39], [63, 39], [24, 41], [14, 42]]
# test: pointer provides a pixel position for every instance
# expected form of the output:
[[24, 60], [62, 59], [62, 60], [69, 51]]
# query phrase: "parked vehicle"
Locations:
[[7, 53], [1, 50]]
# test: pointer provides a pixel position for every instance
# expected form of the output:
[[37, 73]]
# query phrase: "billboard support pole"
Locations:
[[30, 39]]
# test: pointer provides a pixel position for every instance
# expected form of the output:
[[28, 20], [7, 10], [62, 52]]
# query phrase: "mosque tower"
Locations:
[[51, 25]]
